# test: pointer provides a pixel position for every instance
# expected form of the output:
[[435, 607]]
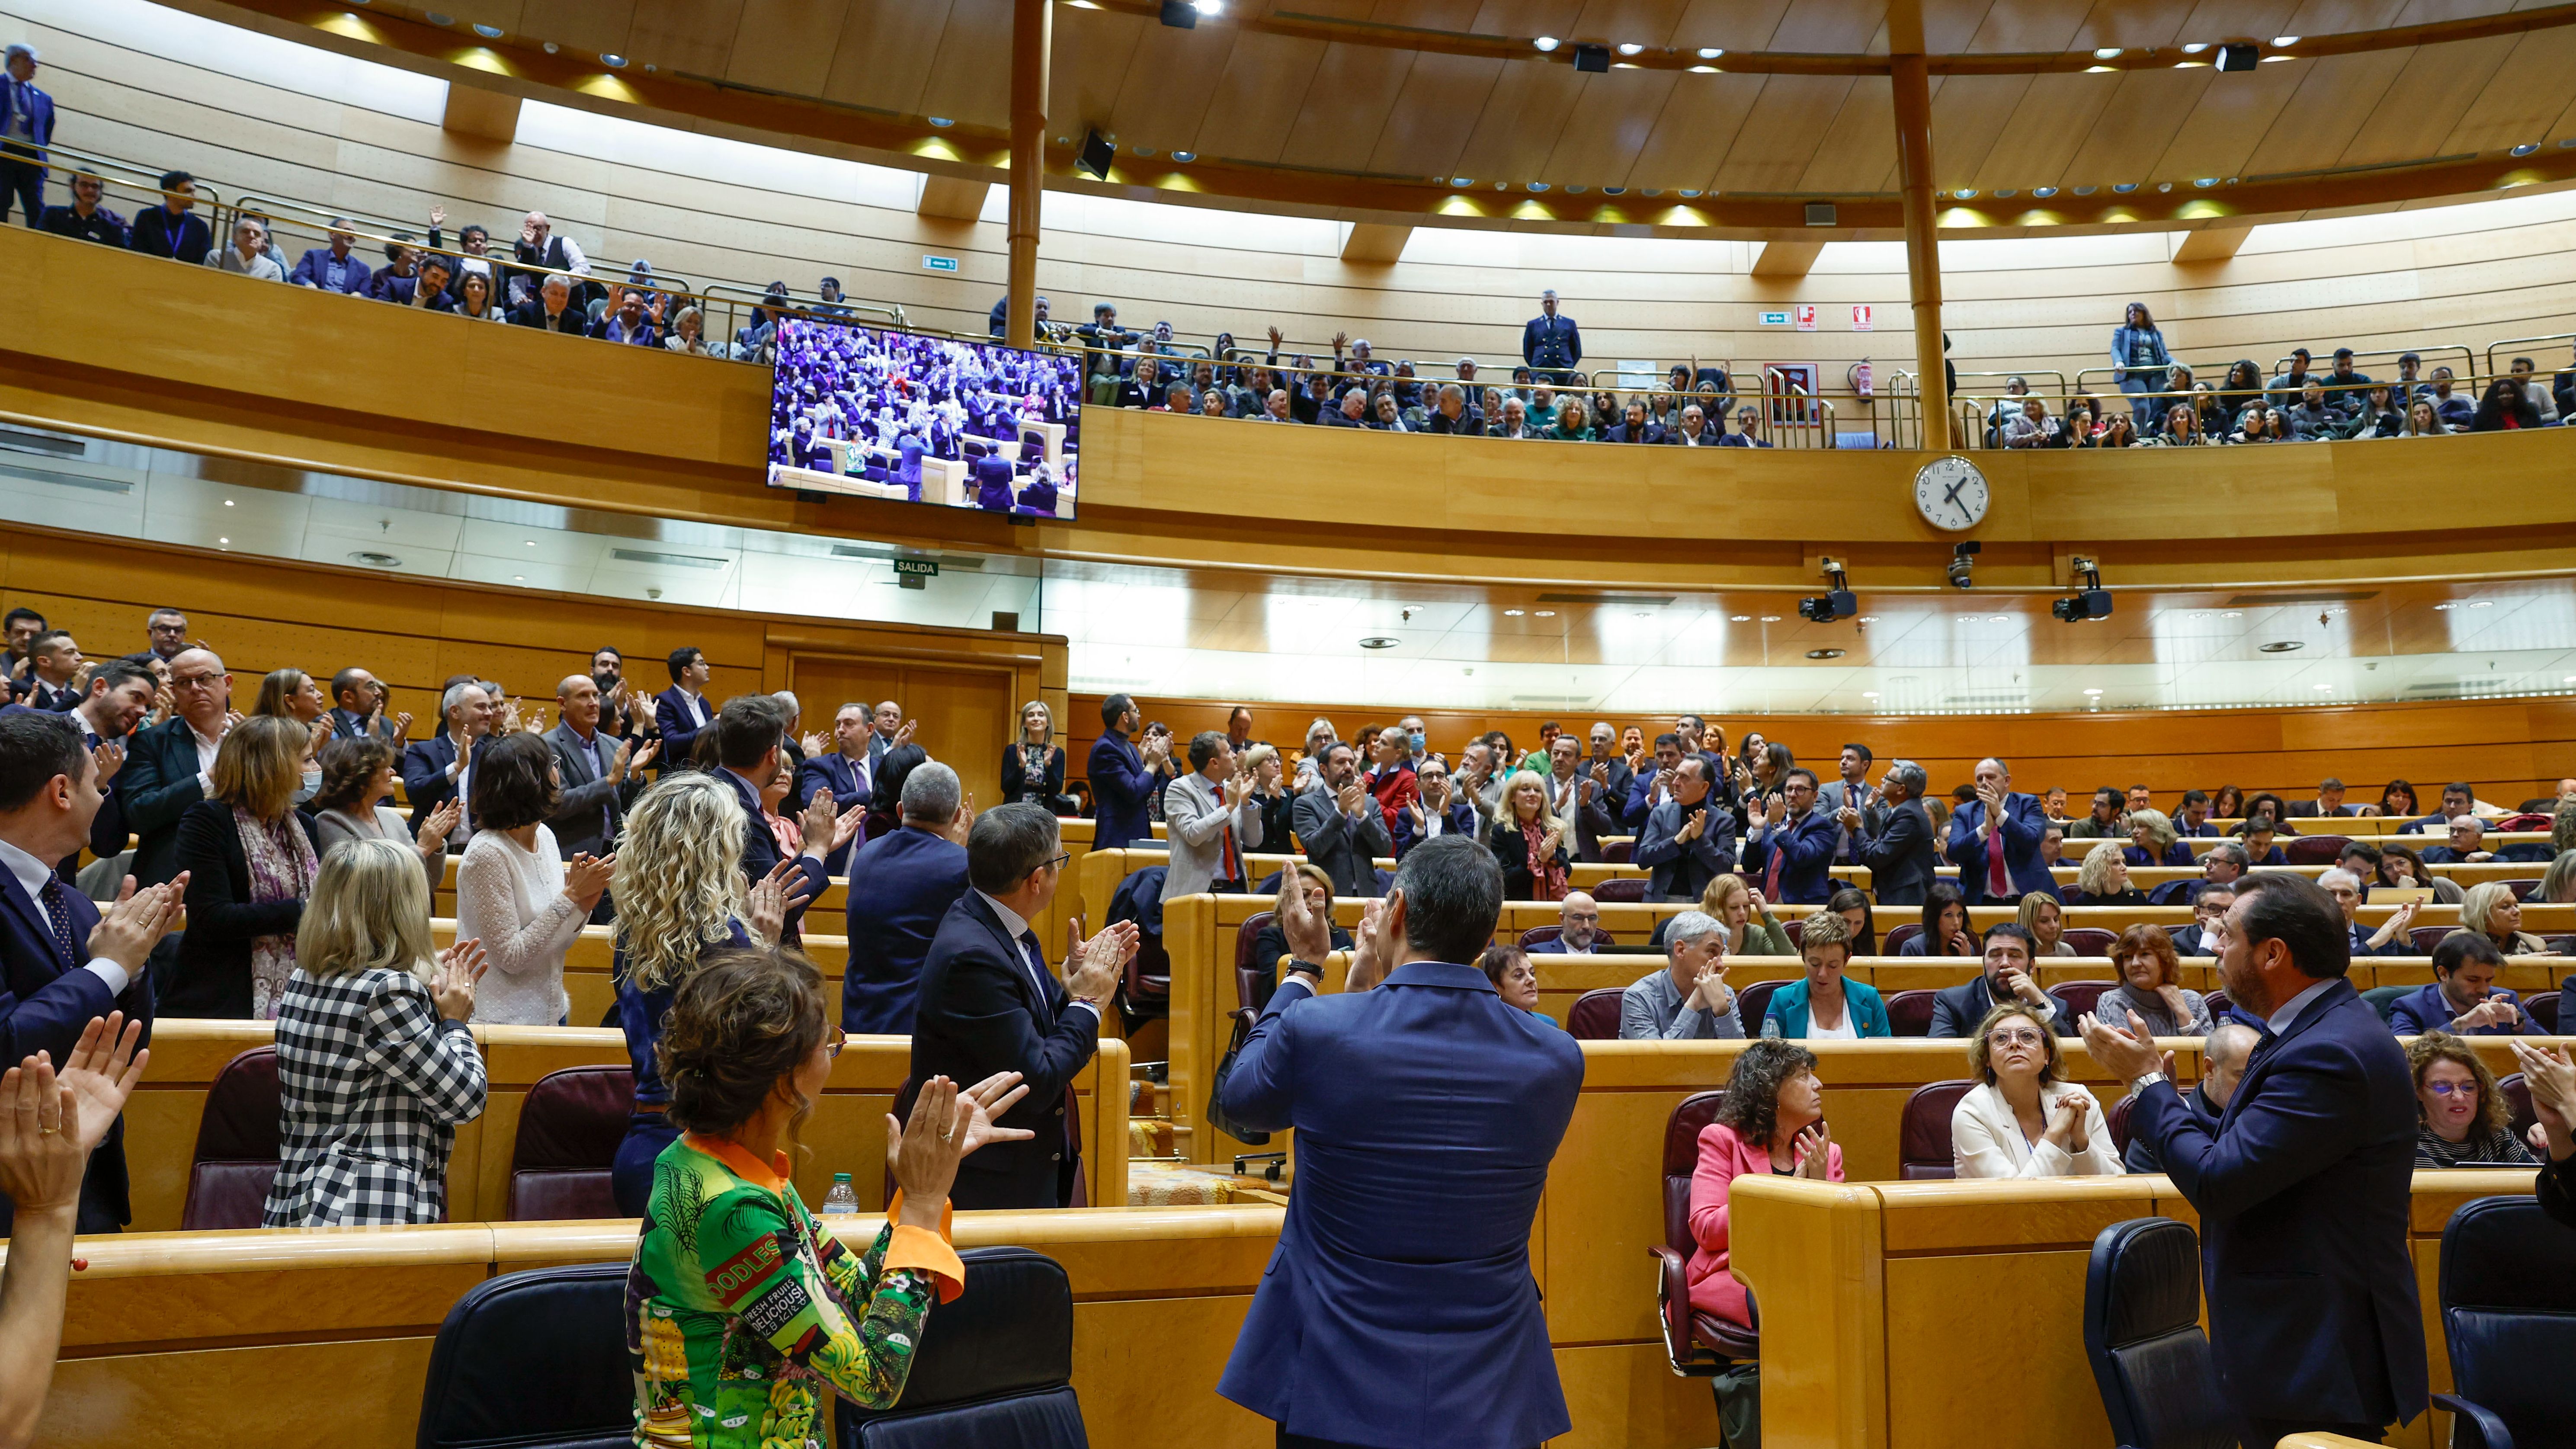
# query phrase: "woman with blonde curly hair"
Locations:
[[2104, 878], [2460, 1113], [1528, 841], [679, 892]]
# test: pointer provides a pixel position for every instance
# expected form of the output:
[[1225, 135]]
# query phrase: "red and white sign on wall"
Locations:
[[1863, 316], [1806, 314]]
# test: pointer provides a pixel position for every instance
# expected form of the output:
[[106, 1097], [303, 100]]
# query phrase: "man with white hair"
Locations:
[[1688, 999], [2466, 846], [441, 768], [2391, 939], [552, 310], [540, 247], [1579, 929]]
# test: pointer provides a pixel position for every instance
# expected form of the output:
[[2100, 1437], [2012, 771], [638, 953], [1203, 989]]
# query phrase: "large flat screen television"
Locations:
[[876, 413]]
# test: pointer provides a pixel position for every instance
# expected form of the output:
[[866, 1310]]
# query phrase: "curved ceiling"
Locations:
[[2045, 112]]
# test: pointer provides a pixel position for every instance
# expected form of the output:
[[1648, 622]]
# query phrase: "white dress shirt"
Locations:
[[206, 761], [2280, 1020], [1017, 928], [32, 875]]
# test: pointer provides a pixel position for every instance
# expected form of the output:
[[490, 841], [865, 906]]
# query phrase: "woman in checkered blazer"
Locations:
[[375, 1066]]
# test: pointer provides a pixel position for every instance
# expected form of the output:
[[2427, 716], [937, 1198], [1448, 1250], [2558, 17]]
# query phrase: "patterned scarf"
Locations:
[[282, 867], [1547, 874]]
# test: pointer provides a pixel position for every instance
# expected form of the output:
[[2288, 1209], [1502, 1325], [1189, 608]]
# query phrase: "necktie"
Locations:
[[1779, 853], [1998, 880], [1225, 836], [59, 915], [1035, 958]]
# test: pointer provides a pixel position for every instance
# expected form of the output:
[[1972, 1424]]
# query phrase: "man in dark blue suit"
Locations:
[[2303, 1188], [901, 886], [1123, 777], [168, 767], [751, 731], [1994, 841], [26, 129], [1399, 1307], [847, 771], [120, 694], [1552, 345], [53, 667], [64, 963], [2457, 799], [682, 710], [988, 1004], [360, 708], [441, 768], [1793, 851], [1899, 851], [333, 268]]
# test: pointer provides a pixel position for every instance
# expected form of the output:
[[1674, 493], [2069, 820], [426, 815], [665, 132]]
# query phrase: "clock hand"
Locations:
[[1953, 495]]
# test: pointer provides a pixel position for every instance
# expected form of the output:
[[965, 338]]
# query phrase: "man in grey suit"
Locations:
[[601, 777], [1343, 829], [1207, 835], [1685, 843], [1899, 846], [1851, 790]]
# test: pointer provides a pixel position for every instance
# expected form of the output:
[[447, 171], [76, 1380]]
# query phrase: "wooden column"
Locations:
[[1032, 37], [1922, 251]]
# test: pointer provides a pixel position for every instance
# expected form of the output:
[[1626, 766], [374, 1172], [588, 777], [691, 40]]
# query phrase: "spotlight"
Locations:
[[1097, 154], [1962, 559], [2237, 57], [1837, 602], [2094, 602], [1180, 14], [1592, 58]]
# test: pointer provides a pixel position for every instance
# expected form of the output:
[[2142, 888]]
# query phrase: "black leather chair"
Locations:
[[2142, 1331], [1923, 1151], [1594, 1015], [569, 1129], [235, 1161], [533, 1360], [994, 1369], [2508, 1275], [1695, 1342]]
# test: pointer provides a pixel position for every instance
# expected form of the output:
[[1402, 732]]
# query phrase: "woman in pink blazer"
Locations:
[[1771, 1123]]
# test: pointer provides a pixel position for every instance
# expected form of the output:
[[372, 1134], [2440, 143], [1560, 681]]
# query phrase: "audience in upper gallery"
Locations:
[[733, 1271], [250, 862], [1944, 925], [2023, 1119], [357, 778], [84, 219], [2103, 879], [901, 884], [2391, 939], [515, 892], [2463, 1119], [2224, 1055], [2463, 997], [1578, 929], [173, 230], [2043, 915], [1515, 979], [1825, 1005], [2007, 976], [1687, 999], [2150, 986], [375, 1063], [1770, 1123]]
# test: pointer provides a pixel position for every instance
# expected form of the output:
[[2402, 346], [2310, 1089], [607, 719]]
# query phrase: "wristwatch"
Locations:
[[1308, 969], [2146, 1081]]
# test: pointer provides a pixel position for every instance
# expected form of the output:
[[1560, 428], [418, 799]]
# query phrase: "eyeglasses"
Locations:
[[194, 681], [2445, 1089], [1058, 863], [2016, 1038], [833, 1043]]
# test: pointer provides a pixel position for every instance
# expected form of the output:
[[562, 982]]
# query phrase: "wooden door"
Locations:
[[965, 710]]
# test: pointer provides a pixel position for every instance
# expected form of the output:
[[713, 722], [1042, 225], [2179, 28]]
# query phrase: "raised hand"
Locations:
[[2127, 1053], [820, 822], [1101, 960], [813, 744], [437, 215], [1373, 949], [1693, 828], [903, 736], [1307, 931], [765, 906], [440, 824], [402, 726], [111, 758], [101, 1072], [1813, 1150], [130, 927], [460, 970], [41, 1154], [587, 877]]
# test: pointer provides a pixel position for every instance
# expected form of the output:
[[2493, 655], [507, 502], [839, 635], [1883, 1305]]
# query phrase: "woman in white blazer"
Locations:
[[2022, 1120]]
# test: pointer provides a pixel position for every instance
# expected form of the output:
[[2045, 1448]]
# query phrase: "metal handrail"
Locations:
[[96, 165], [750, 297], [2568, 338]]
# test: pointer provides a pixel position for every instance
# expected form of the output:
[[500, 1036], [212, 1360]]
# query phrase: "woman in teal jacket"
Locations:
[[1822, 1006]]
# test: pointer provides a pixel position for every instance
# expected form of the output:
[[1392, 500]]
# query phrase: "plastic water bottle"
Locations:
[[843, 1199]]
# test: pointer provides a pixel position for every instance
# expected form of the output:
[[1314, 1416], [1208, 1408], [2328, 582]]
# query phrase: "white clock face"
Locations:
[[1951, 494]]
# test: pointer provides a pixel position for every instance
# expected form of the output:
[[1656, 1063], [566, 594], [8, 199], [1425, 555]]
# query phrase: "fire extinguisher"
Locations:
[[1862, 385]]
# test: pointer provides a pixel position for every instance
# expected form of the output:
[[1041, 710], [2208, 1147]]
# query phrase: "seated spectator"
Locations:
[[1212, 403], [2154, 841], [1579, 930], [1452, 414], [428, 292], [538, 246], [1515, 421], [2008, 976], [333, 268], [1945, 925], [84, 219], [2150, 987], [628, 324], [1573, 422], [173, 229], [2044, 916], [1515, 979], [1751, 929], [2454, 409], [2313, 418], [1270, 944], [2052, 845], [1694, 430], [2032, 427], [2022, 1119], [474, 299], [395, 281], [2259, 425], [515, 892], [1385, 416], [2463, 1116], [757, 341], [1860, 919], [1145, 387], [2504, 408], [2116, 432], [2558, 883], [1825, 1005], [375, 1063], [2077, 429], [1748, 421], [250, 864], [2400, 867], [1633, 427], [2463, 997], [2390, 939], [2258, 834], [2224, 1055], [2379, 416], [2492, 910], [357, 776], [2005, 409], [2534, 391], [552, 309], [1771, 1123], [2104, 880], [2464, 845], [2107, 820], [1688, 999], [250, 254]]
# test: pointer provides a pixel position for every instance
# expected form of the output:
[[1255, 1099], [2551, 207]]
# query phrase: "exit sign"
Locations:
[[926, 568], [938, 264], [1775, 319]]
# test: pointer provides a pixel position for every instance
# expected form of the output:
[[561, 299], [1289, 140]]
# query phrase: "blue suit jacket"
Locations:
[[40, 121], [2303, 1194], [1556, 338], [833, 772], [760, 853], [2025, 820], [1806, 849], [1398, 1307], [901, 886], [679, 737], [424, 776], [1119, 788], [2423, 1010], [48, 1000], [314, 268], [155, 788]]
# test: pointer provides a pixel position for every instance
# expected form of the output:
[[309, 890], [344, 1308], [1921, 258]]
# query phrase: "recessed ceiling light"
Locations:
[[2092, 691], [434, 18], [1966, 193], [1545, 42], [1687, 192], [2099, 69], [1209, 7], [1869, 618], [228, 503], [2269, 59], [2526, 148], [532, 543], [1538, 186], [375, 560], [1630, 48], [1824, 654], [2003, 191], [2086, 190], [1770, 618], [613, 62], [2285, 41], [2282, 646], [1185, 155], [2325, 686], [2194, 49], [488, 32], [2043, 191], [2107, 52], [1547, 613], [518, 578], [942, 122], [1710, 52], [1511, 613], [2481, 603], [1380, 641], [1462, 180], [1741, 618], [2003, 618], [1703, 70], [2124, 187], [2444, 608], [2233, 614]]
